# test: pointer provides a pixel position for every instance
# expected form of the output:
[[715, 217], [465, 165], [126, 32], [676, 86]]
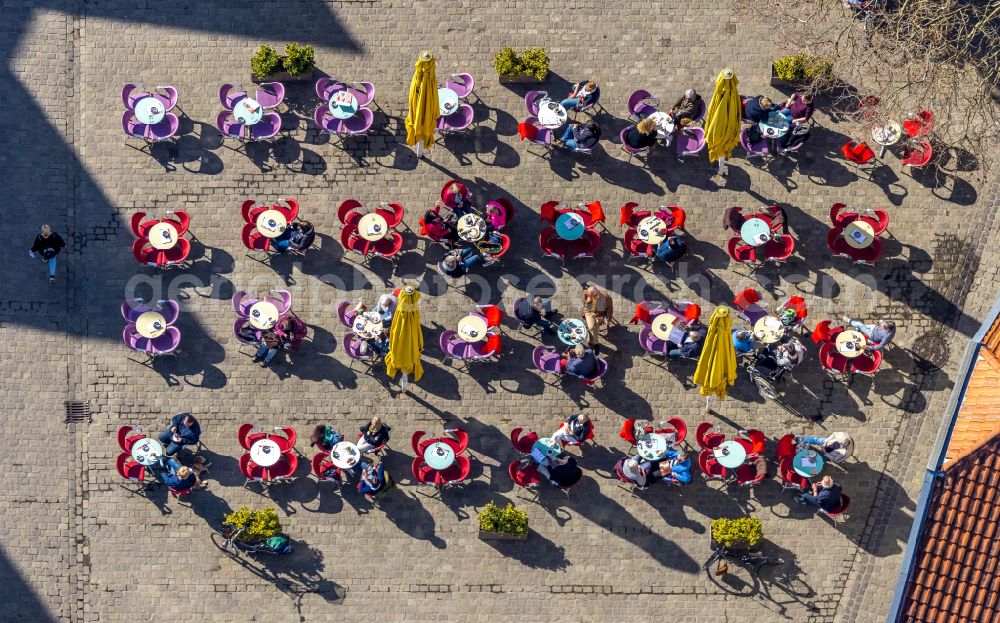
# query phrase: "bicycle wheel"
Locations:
[[716, 555], [765, 388], [764, 561], [223, 542]]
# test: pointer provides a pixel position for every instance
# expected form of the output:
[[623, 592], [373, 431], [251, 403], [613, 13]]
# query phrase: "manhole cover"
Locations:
[[931, 350], [77, 410]]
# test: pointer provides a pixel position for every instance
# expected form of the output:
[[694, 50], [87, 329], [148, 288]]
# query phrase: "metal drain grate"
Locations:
[[931, 350], [77, 411]]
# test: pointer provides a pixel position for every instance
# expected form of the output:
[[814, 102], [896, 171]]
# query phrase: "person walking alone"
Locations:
[[48, 244]]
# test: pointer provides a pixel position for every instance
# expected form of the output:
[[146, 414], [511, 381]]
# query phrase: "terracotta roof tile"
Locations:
[[979, 414]]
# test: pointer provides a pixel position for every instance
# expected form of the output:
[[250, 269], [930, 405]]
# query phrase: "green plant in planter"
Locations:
[[536, 62], [533, 61], [260, 523], [265, 62], [746, 530], [299, 59], [803, 67], [507, 63], [509, 520]]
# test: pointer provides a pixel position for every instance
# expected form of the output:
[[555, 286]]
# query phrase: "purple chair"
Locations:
[[327, 86], [543, 136], [352, 346], [461, 84], [359, 123], [131, 125], [282, 300], [237, 325], [446, 342], [637, 104], [689, 142], [132, 93], [131, 310], [168, 97], [269, 125], [166, 343], [228, 126], [546, 359], [270, 94], [325, 121], [229, 95], [457, 121], [345, 313], [602, 369], [702, 110], [652, 344], [631, 151], [756, 149], [165, 129], [364, 92], [133, 340], [169, 309], [242, 305], [752, 313], [531, 99]]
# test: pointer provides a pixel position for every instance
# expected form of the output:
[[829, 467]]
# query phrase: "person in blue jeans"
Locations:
[[671, 249], [371, 479], [176, 476], [458, 201], [581, 95], [879, 334], [379, 344], [184, 431], [579, 136], [825, 496], [48, 244]]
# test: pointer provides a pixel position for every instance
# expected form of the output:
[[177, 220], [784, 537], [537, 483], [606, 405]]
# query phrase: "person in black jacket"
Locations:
[[184, 431], [641, 135], [690, 347], [562, 471], [48, 244], [826, 495], [580, 136], [531, 311], [375, 434], [758, 108]]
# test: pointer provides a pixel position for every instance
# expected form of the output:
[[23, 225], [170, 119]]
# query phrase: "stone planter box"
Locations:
[[521, 79], [282, 76], [501, 536], [739, 548]]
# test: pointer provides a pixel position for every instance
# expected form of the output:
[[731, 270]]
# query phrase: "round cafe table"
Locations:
[[572, 331], [343, 105], [149, 110], [147, 451], [651, 230], [551, 114], [373, 227], [471, 228], [271, 223], [730, 454], [265, 452], [472, 328], [248, 111], [664, 123], [859, 234], [808, 463], [851, 343], [263, 315], [652, 446], [447, 101], [150, 324], [768, 329], [368, 325], [545, 447], [776, 126], [569, 226], [887, 134], [163, 236], [439, 455], [345, 455], [663, 324], [755, 231]]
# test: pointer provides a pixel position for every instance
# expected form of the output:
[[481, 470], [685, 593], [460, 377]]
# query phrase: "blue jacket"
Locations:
[[754, 112], [585, 366], [741, 346], [691, 349], [680, 472], [671, 249], [190, 435], [170, 478], [829, 499]]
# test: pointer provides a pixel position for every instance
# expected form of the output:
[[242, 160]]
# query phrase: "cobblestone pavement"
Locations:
[[78, 547]]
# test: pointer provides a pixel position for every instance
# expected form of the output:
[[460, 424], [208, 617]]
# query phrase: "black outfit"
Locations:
[[378, 438], [48, 247], [579, 429], [586, 135], [302, 237], [585, 366], [637, 140], [565, 474], [685, 108]]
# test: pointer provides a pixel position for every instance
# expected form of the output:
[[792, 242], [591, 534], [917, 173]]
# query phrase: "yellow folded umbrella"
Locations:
[[422, 117], [722, 120], [406, 337], [716, 369]]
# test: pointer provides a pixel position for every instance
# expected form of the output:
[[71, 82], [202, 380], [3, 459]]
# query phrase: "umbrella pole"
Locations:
[[708, 402], [722, 166], [420, 151], [404, 381]]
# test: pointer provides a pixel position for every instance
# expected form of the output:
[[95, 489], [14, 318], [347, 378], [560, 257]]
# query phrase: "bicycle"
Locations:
[[232, 545], [752, 560]]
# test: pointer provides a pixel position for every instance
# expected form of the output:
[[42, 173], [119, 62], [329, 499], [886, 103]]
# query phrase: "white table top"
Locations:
[[263, 315], [345, 455], [755, 231], [373, 227], [777, 125], [572, 331], [768, 329], [271, 223], [439, 455], [149, 110], [471, 228], [851, 343], [147, 451], [150, 324], [730, 454], [163, 236], [651, 230], [472, 328], [265, 452], [664, 123], [652, 446], [551, 114], [368, 324], [664, 326], [248, 111], [447, 101], [343, 104], [888, 133], [859, 234]]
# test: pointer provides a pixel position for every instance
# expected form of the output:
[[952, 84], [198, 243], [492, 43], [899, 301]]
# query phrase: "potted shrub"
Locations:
[[506, 524], [531, 67], [745, 533], [296, 65], [795, 70], [259, 524]]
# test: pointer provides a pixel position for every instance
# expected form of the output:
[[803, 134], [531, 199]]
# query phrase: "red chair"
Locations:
[[417, 445], [841, 510], [678, 216], [790, 479], [785, 447], [422, 472], [286, 442], [643, 311], [840, 216], [710, 468], [741, 252], [858, 153], [525, 477], [837, 245], [254, 240], [504, 247], [346, 212], [247, 439], [251, 209], [594, 215], [867, 364], [145, 254], [493, 315], [917, 156], [626, 213], [388, 247], [181, 220], [291, 212], [692, 312], [746, 298], [393, 216], [779, 249], [140, 227], [798, 304], [456, 472], [880, 221], [758, 440], [706, 440], [324, 470], [447, 198], [869, 254], [750, 474], [822, 332], [125, 440], [586, 246], [548, 212], [680, 427], [546, 238], [129, 469], [178, 253], [747, 445], [920, 125], [284, 469], [627, 432], [352, 242], [457, 438], [831, 360], [634, 246], [522, 444], [251, 471]]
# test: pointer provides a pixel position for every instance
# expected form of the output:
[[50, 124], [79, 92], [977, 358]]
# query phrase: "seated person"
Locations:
[[758, 108], [641, 135], [878, 334], [494, 217], [836, 448], [797, 135], [371, 480], [184, 431], [451, 265], [297, 236], [561, 471], [825, 495], [733, 219], [178, 477], [671, 249], [690, 347], [580, 361], [677, 470], [325, 437], [375, 434], [799, 107], [386, 307], [274, 340], [788, 355], [742, 341], [457, 201], [482, 252], [579, 136], [378, 344], [581, 95], [635, 472], [439, 227], [686, 108], [534, 310], [575, 429]]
